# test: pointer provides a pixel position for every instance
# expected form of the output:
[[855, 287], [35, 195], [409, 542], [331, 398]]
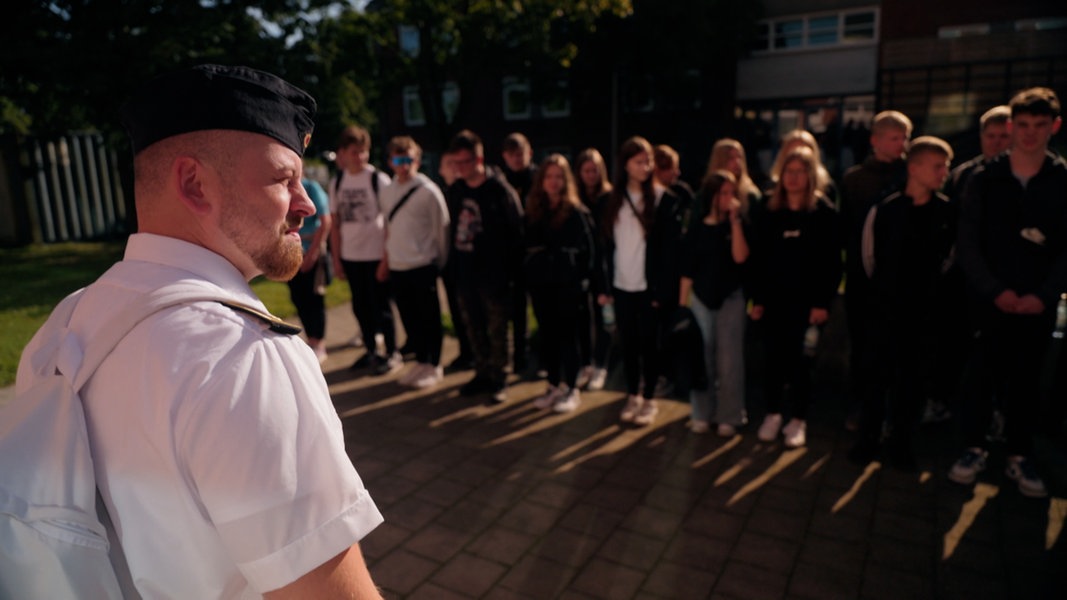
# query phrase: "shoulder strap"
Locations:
[[633, 207], [337, 182], [374, 183], [121, 324], [403, 199]]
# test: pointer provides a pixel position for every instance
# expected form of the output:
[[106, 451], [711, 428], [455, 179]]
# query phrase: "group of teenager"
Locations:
[[950, 280]]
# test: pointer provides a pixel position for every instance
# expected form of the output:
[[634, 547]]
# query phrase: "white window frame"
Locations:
[[515, 85], [768, 29], [562, 87], [411, 94]]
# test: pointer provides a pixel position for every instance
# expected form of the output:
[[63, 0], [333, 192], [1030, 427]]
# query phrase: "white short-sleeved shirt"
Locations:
[[217, 450], [358, 215]]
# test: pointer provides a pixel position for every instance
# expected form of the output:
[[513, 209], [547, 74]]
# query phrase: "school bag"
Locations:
[[52, 542]]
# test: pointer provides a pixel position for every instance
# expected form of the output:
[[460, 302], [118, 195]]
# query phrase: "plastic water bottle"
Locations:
[[608, 313], [811, 340], [1061, 317]]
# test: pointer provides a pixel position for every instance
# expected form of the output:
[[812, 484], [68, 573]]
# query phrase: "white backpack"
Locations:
[[53, 544]]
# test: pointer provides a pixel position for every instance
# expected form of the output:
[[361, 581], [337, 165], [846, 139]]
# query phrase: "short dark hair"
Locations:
[[516, 141], [354, 134], [1037, 101], [401, 144], [466, 140]]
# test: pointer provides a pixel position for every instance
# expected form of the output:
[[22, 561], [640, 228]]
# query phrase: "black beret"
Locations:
[[219, 97]]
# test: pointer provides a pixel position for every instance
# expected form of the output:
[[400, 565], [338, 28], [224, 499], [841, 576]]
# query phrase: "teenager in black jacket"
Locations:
[[560, 258], [641, 225], [796, 257], [595, 342]]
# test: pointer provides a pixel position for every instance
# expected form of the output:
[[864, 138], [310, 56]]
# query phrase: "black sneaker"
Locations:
[[461, 363], [478, 385], [500, 393], [864, 452], [369, 359]]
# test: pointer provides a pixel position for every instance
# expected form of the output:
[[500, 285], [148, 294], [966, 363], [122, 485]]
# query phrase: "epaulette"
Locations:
[[273, 323]]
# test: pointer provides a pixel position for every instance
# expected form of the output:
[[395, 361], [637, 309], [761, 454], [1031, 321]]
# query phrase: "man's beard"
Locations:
[[278, 258], [281, 260]]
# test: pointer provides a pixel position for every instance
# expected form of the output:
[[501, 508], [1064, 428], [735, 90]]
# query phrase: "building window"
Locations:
[[409, 40], [789, 34], [823, 30], [413, 113], [517, 103], [820, 30], [860, 26], [450, 100], [556, 100]]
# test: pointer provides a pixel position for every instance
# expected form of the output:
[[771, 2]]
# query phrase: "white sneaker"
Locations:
[[431, 376], [768, 431], [356, 341], [795, 433], [583, 377], [699, 427], [393, 363], [726, 430], [633, 404], [568, 402], [647, 414], [597, 379], [413, 374], [549, 398]]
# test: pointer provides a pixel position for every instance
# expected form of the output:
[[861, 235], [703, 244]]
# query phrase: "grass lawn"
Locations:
[[39, 276]]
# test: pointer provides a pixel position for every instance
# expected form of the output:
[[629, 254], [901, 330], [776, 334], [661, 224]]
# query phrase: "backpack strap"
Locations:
[[403, 199], [98, 348]]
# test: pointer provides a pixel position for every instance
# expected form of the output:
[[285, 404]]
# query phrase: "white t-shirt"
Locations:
[[418, 233], [630, 248], [357, 215], [217, 449]]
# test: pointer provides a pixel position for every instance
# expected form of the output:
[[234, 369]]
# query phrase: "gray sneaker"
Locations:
[[967, 468], [1022, 471]]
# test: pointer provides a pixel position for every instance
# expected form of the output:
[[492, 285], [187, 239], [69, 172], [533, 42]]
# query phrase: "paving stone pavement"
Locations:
[[508, 501]]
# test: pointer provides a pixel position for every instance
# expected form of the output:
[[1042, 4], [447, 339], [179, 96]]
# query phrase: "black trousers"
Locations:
[[370, 302], [905, 353], [639, 330], [557, 308], [415, 294], [594, 342], [787, 365], [486, 309], [310, 306], [1006, 360], [458, 324]]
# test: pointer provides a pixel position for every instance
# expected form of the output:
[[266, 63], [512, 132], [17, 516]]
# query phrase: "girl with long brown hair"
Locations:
[[559, 265], [641, 225]]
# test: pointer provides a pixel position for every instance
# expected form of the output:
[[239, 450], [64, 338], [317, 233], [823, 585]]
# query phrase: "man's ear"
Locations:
[[1056, 125], [188, 177]]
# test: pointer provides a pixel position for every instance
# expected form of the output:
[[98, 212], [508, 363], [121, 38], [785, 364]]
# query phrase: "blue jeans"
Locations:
[[723, 331]]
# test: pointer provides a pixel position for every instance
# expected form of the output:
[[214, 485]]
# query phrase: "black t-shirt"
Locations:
[[709, 262]]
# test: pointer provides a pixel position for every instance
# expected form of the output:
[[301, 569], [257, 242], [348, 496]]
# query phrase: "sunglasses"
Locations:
[[402, 160]]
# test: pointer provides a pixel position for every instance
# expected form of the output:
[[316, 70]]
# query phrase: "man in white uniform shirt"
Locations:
[[216, 448]]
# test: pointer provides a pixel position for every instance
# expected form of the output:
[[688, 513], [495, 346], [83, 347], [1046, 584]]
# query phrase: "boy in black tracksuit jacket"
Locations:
[[907, 245], [1013, 250]]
